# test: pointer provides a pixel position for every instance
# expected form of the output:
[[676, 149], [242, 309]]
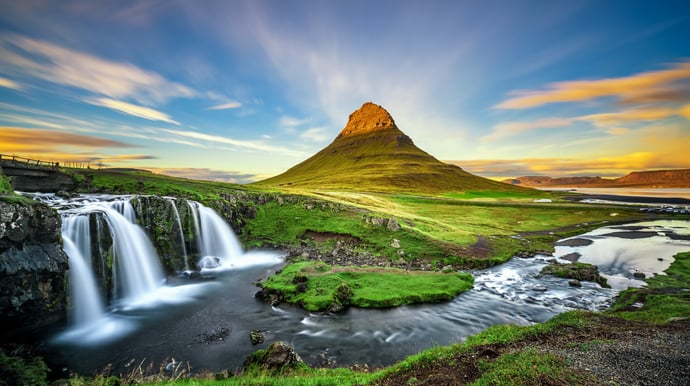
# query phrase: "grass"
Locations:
[[528, 368], [665, 297], [144, 182], [323, 286]]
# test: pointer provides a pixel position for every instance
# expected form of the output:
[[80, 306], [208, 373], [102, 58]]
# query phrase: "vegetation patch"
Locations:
[[316, 286], [666, 297]]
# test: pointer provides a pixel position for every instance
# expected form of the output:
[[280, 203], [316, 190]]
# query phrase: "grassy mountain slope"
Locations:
[[372, 154]]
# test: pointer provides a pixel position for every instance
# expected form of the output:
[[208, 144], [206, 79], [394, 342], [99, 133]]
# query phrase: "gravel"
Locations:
[[653, 356]]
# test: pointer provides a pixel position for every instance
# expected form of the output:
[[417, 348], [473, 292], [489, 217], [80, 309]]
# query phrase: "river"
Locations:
[[207, 322]]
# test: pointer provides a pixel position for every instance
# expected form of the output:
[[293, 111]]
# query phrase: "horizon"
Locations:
[[240, 91]]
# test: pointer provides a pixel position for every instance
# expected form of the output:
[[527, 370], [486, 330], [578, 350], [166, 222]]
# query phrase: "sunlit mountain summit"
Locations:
[[372, 154]]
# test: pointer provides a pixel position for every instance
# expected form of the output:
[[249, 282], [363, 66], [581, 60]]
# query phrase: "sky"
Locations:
[[239, 91]]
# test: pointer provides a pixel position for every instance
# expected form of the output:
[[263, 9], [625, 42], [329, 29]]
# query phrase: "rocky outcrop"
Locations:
[[368, 118], [575, 271], [277, 358], [33, 268]]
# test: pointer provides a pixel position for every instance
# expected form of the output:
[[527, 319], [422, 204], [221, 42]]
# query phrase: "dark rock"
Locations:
[[574, 283], [576, 271], [33, 268], [639, 275], [278, 357], [572, 257], [256, 337]]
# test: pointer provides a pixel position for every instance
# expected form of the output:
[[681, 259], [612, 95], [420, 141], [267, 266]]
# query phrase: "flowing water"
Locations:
[[207, 323]]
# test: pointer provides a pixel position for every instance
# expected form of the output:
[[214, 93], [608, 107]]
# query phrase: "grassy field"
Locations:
[[318, 287]]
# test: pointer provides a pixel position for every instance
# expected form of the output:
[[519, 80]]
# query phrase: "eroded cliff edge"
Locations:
[[33, 269]]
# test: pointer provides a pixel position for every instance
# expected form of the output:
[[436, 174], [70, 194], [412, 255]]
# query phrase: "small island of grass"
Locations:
[[317, 286]]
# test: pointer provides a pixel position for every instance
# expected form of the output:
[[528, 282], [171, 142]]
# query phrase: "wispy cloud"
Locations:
[[558, 167], [207, 174], [242, 144], [315, 134], [7, 83], [16, 137], [131, 109], [659, 85], [226, 106], [510, 129], [60, 65]]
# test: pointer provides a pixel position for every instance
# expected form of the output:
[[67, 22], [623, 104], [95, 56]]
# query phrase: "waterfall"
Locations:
[[179, 226], [87, 306], [135, 262], [219, 245], [194, 206]]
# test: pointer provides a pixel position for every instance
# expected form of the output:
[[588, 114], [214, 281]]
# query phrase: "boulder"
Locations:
[[278, 357]]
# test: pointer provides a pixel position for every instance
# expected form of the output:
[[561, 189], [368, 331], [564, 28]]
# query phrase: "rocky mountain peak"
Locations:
[[368, 118]]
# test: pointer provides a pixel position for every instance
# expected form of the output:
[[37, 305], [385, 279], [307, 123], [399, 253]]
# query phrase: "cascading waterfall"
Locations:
[[179, 226], [219, 245], [88, 305], [135, 262]]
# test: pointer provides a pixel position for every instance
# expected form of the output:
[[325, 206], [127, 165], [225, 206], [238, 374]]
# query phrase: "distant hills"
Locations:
[[676, 178], [372, 154]]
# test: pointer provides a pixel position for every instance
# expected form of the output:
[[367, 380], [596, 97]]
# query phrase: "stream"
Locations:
[[206, 322]]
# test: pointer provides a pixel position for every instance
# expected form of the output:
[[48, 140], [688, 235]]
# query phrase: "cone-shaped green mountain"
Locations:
[[372, 154]]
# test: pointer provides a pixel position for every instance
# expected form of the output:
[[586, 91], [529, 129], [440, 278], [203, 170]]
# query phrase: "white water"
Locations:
[[83, 287], [179, 226], [135, 262], [217, 239]]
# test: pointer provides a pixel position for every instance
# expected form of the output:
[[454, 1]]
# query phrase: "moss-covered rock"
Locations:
[[576, 271]]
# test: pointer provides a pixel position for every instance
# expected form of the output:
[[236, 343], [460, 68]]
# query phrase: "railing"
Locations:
[[13, 160]]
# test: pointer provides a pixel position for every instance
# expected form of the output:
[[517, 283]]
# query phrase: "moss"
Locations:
[[332, 288], [23, 372]]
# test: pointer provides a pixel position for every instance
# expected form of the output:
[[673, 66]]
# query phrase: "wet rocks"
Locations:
[[214, 335], [639, 275], [576, 271], [278, 357], [256, 337], [33, 267]]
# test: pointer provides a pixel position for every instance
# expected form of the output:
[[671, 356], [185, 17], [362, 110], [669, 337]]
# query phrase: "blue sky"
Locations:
[[242, 90]]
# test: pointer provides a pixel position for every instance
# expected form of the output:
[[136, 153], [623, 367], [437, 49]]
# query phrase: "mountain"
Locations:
[[372, 154], [677, 178]]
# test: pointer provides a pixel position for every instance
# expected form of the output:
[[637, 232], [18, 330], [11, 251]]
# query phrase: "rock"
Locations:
[[33, 268], [393, 225], [256, 337], [209, 262], [395, 243], [639, 275], [576, 271], [574, 283], [278, 357]]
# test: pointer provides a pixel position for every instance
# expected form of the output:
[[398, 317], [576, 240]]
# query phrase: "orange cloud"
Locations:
[[657, 85], [18, 137], [630, 115], [556, 167], [58, 146]]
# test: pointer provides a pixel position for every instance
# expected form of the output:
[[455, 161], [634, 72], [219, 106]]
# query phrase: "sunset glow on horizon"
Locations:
[[242, 90]]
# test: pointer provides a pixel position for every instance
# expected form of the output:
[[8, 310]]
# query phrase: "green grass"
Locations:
[[305, 377], [665, 297], [363, 287], [144, 182]]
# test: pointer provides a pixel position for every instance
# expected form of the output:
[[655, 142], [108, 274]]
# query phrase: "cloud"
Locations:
[[128, 108], [662, 84], [64, 66], [641, 114], [316, 134], [16, 137], [7, 83], [247, 145], [207, 174], [510, 129], [557, 167], [226, 106], [292, 122]]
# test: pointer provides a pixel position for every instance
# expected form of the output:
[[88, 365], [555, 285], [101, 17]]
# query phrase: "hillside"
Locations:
[[678, 178], [372, 154]]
